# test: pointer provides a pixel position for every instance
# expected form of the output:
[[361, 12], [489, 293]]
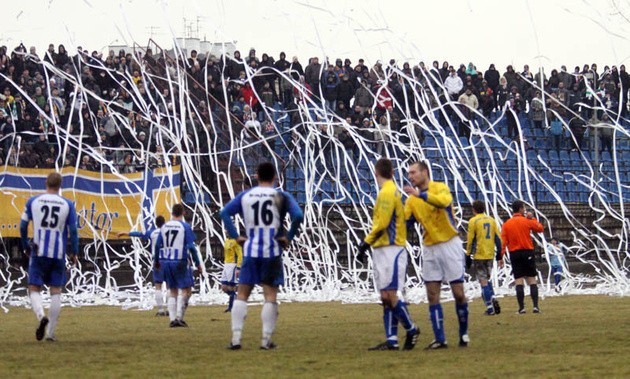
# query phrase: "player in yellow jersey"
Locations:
[[388, 238], [430, 203], [233, 257], [484, 243]]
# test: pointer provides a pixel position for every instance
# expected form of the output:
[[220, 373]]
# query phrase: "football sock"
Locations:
[[232, 295], [437, 322], [159, 299], [53, 313], [182, 304], [269, 316], [172, 308], [520, 296], [390, 322], [239, 312], [486, 294], [402, 314], [491, 290], [36, 304], [462, 317], [533, 291]]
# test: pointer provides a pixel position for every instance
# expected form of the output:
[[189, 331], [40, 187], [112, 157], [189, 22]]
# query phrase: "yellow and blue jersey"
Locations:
[[233, 252], [483, 237], [388, 223], [435, 214]]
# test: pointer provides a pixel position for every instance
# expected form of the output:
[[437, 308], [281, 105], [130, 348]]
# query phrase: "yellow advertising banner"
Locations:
[[106, 203]]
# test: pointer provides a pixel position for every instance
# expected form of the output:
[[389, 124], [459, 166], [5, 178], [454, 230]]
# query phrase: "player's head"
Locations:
[[518, 206], [53, 181], [554, 241], [266, 172], [419, 174], [479, 206], [384, 168], [159, 221], [178, 210]]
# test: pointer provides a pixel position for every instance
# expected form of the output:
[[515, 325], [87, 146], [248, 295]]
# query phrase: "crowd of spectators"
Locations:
[[124, 111]]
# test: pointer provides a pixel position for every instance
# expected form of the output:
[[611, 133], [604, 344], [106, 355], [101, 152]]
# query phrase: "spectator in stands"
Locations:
[[486, 99], [537, 111], [577, 126], [510, 75], [312, 75], [502, 93], [453, 85], [606, 132], [512, 110], [557, 131], [330, 89], [345, 90]]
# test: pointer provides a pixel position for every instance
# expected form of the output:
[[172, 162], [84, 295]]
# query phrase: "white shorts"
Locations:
[[228, 277], [390, 267], [444, 262]]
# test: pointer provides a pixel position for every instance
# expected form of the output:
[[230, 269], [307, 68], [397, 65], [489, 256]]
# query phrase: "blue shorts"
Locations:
[[177, 274], [158, 275], [267, 271], [49, 271]]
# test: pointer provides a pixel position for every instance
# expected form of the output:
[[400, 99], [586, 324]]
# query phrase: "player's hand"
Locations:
[[121, 234], [469, 261], [501, 263], [283, 241], [241, 240], [237, 273], [362, 254], [409, 190], [200, 268], [529, 215], [73, 259]]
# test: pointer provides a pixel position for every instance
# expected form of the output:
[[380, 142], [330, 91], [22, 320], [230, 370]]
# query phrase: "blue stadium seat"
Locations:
[[605, 156], [564, 156], [553, 155]]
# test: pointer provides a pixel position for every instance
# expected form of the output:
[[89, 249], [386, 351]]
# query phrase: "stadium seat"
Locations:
[[605, 156]]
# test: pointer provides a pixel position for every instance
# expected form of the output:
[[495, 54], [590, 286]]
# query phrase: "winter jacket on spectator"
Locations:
[[510, 76], [363, 97], [502, 94], [235, 66], [312, 75], [453, 85], [345, 90], [469, 99], [296, 69], [537, 111]]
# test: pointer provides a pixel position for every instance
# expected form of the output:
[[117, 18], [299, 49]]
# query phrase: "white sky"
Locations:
[[548, 32]]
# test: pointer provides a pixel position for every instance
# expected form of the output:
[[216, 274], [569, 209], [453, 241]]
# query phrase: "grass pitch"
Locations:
[[574, 337]]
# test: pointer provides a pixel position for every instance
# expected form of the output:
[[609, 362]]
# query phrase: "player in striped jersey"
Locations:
[[233, 258], [263, 209], [431, 204], [484, 243], [54, 223], [158, 277], [175, 241], [388, 237]]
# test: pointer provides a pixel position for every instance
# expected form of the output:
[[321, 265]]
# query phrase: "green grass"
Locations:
[[574, 337]]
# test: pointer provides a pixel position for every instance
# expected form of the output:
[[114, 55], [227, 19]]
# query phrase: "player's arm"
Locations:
[[27, 216], [297, 216], [440, 197], [383, 210], [189, 242], [409, 217], [497, 242], [73, 233], [132, 234], [471, 240], [504, 244], [231, 209], [536, 226], [156, 251]]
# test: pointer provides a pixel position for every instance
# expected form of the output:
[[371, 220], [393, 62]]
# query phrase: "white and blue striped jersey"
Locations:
[[174, 238], [52, 217], [263, 210]]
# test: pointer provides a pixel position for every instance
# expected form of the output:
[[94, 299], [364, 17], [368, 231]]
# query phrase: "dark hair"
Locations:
[[479, 206], [53, 181], [517, 205], [159, 221], [266, 172], [178, 210], [384, 168], [423, 166]]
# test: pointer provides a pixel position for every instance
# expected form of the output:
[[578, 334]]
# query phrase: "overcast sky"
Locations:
[[548, 32]]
